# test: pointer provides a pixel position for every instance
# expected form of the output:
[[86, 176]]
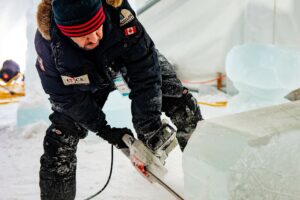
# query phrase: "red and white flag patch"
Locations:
[[130, 31]]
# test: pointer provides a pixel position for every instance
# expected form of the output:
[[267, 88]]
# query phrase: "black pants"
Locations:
[[58, 163]]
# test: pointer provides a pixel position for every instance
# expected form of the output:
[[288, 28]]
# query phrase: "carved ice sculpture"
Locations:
[[262, 74]]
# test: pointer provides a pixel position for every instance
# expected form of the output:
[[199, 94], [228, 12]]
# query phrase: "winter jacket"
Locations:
[[79, 81]]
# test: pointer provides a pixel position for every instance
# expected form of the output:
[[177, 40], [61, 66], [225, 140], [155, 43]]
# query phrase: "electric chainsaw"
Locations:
[[151, 164]]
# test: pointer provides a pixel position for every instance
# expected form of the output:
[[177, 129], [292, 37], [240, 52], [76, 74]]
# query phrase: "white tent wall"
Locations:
[[194, 34], [287, 26], [259, 21], [272, 21], [197, 34], [12, 25]]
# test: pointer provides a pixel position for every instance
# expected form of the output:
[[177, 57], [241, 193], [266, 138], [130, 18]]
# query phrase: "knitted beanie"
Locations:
[[76, 18]]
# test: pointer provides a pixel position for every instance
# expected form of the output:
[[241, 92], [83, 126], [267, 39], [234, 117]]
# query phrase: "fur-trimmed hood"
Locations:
[[43, 17], [44, 12]]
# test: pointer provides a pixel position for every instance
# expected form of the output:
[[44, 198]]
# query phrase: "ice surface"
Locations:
[[263, 75], [246, 156]]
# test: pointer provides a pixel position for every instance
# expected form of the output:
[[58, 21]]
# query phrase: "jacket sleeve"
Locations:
[[78, 105], [144, 75]]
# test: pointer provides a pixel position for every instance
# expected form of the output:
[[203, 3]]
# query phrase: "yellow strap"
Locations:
[[214, 104]]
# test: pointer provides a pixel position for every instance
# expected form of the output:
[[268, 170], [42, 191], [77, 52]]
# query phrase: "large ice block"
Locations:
[[263, 75], [252, 155]]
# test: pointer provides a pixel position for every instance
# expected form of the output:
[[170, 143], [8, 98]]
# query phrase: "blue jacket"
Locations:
[[83, 97]]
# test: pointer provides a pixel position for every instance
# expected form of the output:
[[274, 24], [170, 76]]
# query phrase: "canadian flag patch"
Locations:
[[130, 31]]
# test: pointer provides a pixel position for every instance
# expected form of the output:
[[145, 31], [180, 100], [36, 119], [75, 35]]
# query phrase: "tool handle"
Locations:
[[128, 140]]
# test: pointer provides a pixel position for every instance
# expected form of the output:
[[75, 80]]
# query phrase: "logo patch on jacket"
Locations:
[[125, 17], [80, 80], [130, 31]]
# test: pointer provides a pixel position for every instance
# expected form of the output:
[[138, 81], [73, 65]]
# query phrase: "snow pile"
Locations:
[[7, 116], [251, 155], [34, 129], [210, 94]]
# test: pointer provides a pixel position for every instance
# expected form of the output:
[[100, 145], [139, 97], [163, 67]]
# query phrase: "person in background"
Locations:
[[9, 70], [86, 49]]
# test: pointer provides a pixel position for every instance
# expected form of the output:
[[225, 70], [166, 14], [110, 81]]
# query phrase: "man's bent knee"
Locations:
[[58, 165]]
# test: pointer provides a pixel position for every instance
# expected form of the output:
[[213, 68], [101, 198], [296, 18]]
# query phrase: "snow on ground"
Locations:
[[19, 166]]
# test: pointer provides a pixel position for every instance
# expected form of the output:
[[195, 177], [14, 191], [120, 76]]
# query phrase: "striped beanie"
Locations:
[[76, 18]]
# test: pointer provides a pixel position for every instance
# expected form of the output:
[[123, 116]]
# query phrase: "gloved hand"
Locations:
[[162, 141], [114, 135]]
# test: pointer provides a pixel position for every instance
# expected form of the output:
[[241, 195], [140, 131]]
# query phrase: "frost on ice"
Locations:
[[247, 156]]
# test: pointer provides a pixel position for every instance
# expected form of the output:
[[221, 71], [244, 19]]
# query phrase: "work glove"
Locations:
[[161, 141], [114, 136]]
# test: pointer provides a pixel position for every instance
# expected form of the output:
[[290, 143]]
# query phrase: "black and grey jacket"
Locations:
[[78, 81]]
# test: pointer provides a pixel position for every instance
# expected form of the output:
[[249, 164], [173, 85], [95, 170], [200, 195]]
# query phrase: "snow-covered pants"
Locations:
[[58, 163]]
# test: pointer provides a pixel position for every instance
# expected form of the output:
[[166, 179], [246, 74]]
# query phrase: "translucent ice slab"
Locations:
[[263, 75], [27, 116], [247, 156]]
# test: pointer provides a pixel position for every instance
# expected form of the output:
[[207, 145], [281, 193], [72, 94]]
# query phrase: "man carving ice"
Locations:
[[83, 47]]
